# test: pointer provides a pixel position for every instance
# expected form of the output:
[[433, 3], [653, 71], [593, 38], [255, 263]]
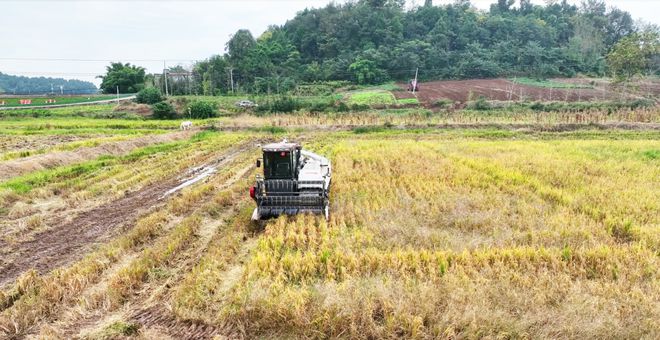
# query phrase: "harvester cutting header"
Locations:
[[294, 181]]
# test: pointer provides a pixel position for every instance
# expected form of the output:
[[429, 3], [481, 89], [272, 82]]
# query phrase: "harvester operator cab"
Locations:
[[281, 160]]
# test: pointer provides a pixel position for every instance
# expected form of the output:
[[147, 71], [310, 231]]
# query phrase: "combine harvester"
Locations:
[[294, 181]]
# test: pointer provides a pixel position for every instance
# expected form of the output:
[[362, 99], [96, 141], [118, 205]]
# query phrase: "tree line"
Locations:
[[373, 41], [21, 85]]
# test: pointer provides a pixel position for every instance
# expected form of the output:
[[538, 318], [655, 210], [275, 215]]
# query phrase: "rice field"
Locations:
[[455, 232]]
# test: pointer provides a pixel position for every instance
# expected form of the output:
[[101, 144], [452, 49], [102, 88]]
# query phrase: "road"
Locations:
[[96, 102]]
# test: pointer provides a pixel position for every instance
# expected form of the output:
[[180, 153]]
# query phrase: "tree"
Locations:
[[163, 110], [203, 109], [150, 95], [365, 71], [129, 78], [240, 45], [42, 85], [633, 54], [369, 41]]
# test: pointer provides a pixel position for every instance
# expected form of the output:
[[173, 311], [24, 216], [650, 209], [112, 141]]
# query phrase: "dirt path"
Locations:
[[21, 166], [69, 241]]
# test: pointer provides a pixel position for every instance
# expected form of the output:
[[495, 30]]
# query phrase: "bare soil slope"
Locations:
[[462, 91]]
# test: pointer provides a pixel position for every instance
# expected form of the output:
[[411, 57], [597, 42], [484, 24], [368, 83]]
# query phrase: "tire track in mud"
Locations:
[[67, 242]]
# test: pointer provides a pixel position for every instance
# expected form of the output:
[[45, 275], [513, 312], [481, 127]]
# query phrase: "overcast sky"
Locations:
[[147, 32]]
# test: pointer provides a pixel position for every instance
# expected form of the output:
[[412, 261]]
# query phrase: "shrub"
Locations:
[[284, 104], [203, 109], [443, 103], [368, 129], [480, 104], [342, 107], [270, 129], [150, 95], [359, 107], [320, 107], [163, 110]]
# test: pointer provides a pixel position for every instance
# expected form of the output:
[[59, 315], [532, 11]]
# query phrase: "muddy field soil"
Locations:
[[68, 241], [9, 143]]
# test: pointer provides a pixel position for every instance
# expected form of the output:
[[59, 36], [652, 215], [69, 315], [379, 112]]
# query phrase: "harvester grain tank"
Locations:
[[294, 181]]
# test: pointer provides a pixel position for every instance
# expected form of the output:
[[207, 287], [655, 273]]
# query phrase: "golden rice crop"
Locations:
[[441, 238]]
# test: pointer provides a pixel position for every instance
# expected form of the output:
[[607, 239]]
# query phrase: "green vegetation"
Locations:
[[21, 85], [150, 95], [371, 98], [199, 109], [445, 41], [407, 101], [635, 54], [549, 83], [163, 110], [126, 78], [482, 104]]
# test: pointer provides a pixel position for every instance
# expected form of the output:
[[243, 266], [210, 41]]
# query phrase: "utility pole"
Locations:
[[231, 79], [415, 82], [61, 90], [117, 91], [167, 93], [210, 73], [51, 88]]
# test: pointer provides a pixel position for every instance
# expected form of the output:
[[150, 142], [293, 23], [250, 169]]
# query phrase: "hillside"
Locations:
[[373, 41], [41, 85]]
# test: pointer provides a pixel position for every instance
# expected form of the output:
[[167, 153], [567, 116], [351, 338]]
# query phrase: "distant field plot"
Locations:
[[80, 125], [555, 84], [371, 97], [527, 89]]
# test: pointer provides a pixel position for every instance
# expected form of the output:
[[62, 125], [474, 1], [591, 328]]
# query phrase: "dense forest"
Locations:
[[372, 41], [40, 85]]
